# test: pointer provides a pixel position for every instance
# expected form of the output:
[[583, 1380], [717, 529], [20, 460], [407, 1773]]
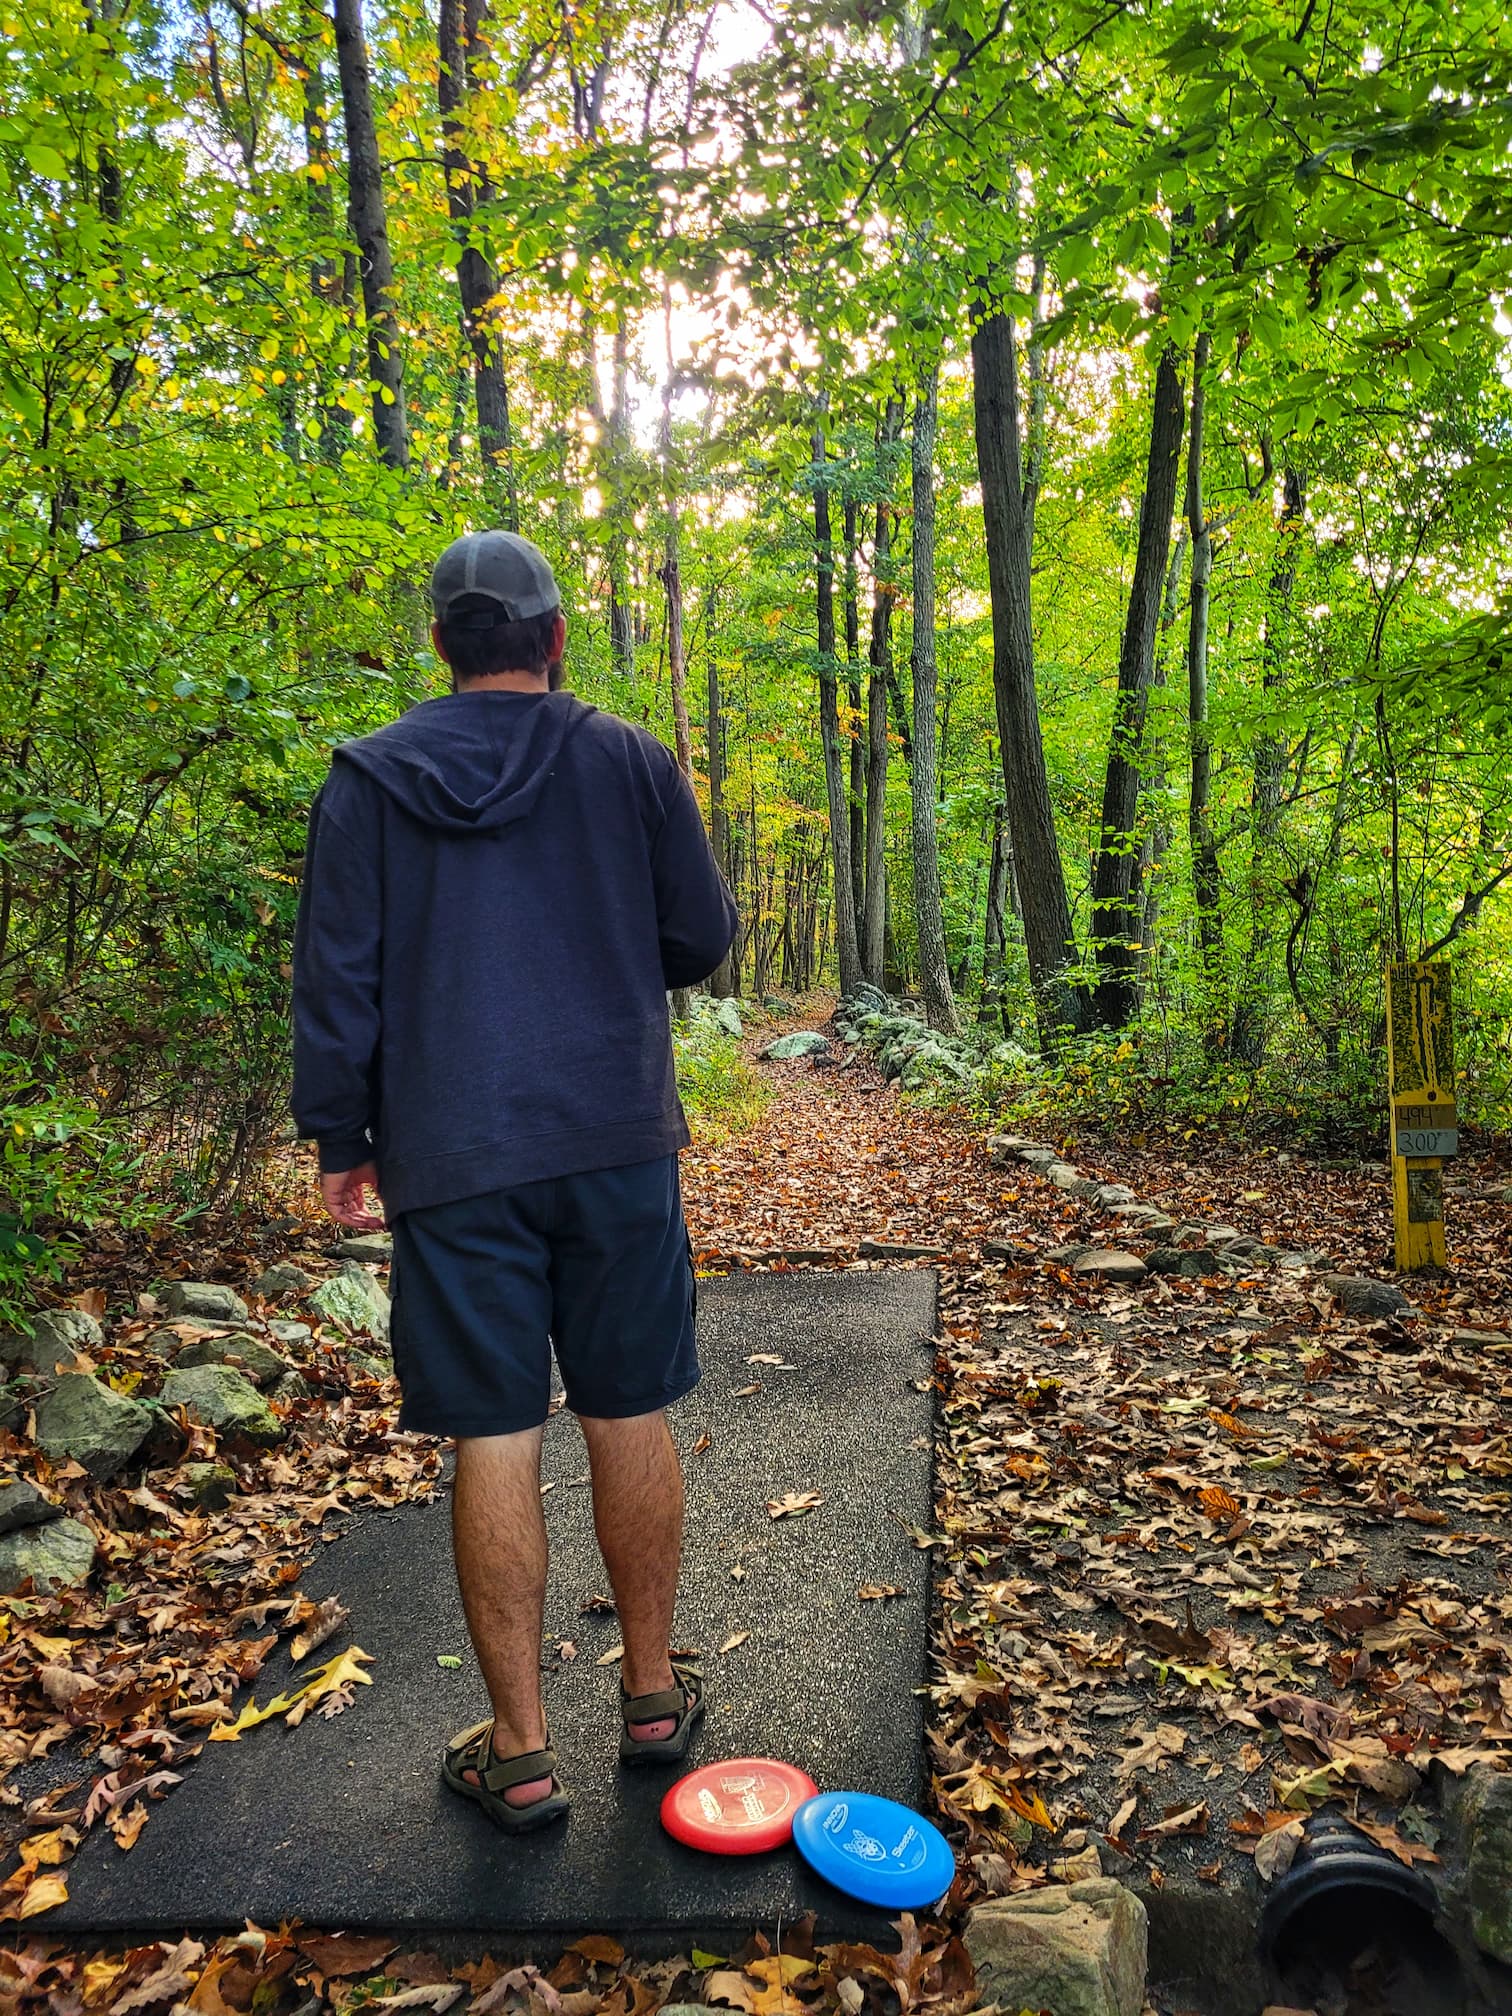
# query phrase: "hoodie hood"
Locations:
[[469, 762]]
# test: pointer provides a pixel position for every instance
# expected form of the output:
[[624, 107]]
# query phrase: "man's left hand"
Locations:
[[344, 1196]]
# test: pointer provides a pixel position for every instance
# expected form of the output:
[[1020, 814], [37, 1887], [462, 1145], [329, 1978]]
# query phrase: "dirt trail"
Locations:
[[1212, 1553]]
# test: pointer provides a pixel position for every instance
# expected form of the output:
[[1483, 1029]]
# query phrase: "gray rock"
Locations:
[[1110, 1265], [292, 1386], [85, 1421], [1080, 1951], [1498, 1340], [1194, 1262], [1137, 1214], [281, 1280], [1109, 1194], [800, 1043], [1008, 1053], [54, 1556], [896, 1249], [1302, 1260], [370, 1364], [1064, 1175], [259, 1361], [1039, 1158], [1254, 1252], [867, 1000], [289, 1332], [1005, 1249], [222, 1399], [1485, 1822], [211, 1486], [22, 1504], [352, 1300], [1189, 1233], [725, 1015], [1359, 1295], [207, 1301], [1084, 1186], [373, 1249], [57, 1337], [932, 1062], [1005, 1148], [1222, 1235], [1067, 1256]]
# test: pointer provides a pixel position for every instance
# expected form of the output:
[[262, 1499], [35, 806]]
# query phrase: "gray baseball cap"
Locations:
[[501, 566]]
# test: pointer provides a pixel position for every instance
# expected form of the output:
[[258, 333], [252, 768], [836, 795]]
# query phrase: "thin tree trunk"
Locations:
[[1206, 882], [460, 47], [995, 925], [884, 589], [1145, 895], [1247, 1034], [929, 923], [853, 694], [1115, 919], [1061, 1004], [847, 947], [722, 981], [369, 222], [621, 609]]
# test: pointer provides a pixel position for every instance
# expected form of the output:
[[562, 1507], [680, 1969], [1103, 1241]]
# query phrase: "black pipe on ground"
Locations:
[[1350, 1927]]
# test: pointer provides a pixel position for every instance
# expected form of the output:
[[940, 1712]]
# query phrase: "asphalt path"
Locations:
[[343, 1823]]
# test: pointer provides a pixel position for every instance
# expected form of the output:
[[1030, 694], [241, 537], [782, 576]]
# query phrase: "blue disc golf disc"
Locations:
[[874, 1849]]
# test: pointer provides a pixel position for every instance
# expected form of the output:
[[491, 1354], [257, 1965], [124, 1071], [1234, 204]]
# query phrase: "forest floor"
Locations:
[[1209, 1552]]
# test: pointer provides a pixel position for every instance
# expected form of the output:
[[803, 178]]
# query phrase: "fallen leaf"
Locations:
[[735, 1638], [728, 1986], [1275, 1851], [879, 1592], [438, 1996], [612, 1657], [126, 1824], [168, 1981], [793, 1504], [339, 1955], [44, 1893], [344, 1670], [324, 1621]]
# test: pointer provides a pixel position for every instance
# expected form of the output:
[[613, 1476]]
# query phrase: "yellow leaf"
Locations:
[[341, 1671], [46, 1851], [100, 1976], [45, 1894]]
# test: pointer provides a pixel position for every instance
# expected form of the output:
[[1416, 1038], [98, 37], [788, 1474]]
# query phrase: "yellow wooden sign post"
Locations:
[[1424, 1115]]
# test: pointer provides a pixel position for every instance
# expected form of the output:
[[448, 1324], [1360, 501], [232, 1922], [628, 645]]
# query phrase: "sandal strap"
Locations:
[[675, 1700], [501, 1774]]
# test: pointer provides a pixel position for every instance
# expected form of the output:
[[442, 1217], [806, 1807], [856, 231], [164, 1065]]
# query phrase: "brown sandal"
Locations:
[[473, 1750], [684, 1701]]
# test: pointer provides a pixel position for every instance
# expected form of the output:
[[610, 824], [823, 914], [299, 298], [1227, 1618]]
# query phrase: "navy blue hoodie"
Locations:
[[499, 889]]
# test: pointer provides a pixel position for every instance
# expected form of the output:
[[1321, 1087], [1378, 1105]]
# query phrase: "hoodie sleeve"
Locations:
[[337, 942], [695, 913]]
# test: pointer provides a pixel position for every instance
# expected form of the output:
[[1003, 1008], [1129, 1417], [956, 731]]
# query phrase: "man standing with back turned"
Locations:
[[499, 888]]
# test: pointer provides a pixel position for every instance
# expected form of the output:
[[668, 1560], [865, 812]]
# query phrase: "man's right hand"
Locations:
[[344, 1197]]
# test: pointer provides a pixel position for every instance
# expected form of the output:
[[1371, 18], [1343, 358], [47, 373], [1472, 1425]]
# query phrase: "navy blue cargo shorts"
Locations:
[[596, 1267]]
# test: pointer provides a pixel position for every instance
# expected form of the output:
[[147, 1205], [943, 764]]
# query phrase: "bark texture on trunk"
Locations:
[[722, 980], [1116, 925], [854, 696], [1061, 1003], [461, 48], [1206, 883], [369, 221], [884, 590], [847, 944], [1248, 1031], [929, 922]]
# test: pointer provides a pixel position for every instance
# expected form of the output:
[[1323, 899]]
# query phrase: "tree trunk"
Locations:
[[723, 980], [621, 611], [1116, 927], [995, 926], [369, 222], [884, 590], [847, 946], [929, 923], [1206, 884], [857, 792], [460, 48], [320, 208], [1247, 1035], [1061, 1004]]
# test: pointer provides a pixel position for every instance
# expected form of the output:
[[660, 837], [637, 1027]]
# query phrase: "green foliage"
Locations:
[[720, 1092]]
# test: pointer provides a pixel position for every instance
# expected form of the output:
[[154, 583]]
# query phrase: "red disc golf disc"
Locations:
[[743, 1806]]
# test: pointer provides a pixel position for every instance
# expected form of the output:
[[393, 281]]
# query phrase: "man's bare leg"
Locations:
[[638, 1516], [499, 1538]]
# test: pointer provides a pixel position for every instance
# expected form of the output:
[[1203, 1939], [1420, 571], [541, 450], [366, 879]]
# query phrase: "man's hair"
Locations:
[[476, 641]]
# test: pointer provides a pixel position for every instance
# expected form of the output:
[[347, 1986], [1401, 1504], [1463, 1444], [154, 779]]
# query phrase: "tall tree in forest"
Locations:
[[1061, 1003], [1206, 884], [1116, 928], [1268, 776], [884, 594], [722, 980], [847, 947], [368, 217], [462, 50], [929, 922], [857, 778]]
